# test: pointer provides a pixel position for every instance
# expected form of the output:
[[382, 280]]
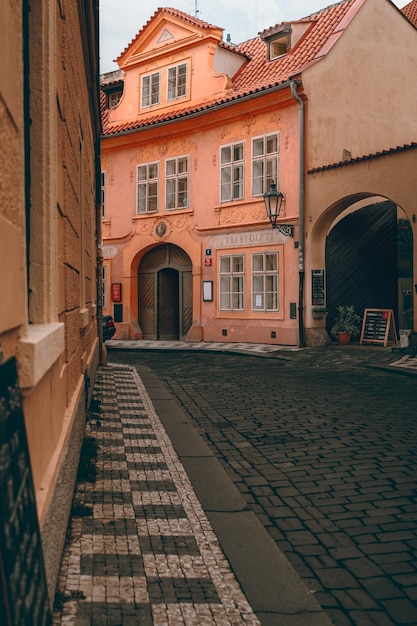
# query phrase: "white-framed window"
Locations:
[[150, 90], [278, 47], [104, 286], [103, 193], [232, 282], [265, 163], [176, 183], [147, 188], [114, 98], [232, 172], [177, 81], [265, 281]]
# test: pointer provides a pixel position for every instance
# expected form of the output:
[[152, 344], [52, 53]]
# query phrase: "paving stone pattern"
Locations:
[[323, 448], [140, 549]]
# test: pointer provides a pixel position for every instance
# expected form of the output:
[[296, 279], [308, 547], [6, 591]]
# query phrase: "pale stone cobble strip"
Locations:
[[141, 549]]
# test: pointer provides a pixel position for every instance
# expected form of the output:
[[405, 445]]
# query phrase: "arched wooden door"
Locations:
[[165, 293]]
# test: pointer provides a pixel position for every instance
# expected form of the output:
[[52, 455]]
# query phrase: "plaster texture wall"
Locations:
[[48, 239], [360, 96], [194, 229]]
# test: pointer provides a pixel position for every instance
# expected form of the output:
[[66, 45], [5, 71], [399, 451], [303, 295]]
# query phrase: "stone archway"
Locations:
[[363, 259], [335, 191], [366, 251], [165, 293]]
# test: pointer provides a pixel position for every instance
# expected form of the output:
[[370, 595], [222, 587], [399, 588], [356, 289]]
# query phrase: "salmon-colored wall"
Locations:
[[193, 229]]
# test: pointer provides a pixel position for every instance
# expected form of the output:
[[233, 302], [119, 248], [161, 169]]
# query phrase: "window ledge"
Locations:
[[84, 318], [40, 347]]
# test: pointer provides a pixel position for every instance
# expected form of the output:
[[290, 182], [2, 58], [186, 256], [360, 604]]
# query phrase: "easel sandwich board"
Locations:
[[378, 326]]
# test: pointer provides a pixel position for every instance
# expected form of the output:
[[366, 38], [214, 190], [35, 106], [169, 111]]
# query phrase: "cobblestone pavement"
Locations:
[[140, 549], [322, 445]]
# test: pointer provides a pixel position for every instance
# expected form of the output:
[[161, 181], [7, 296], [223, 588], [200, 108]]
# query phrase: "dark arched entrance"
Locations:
[[165, 293], [369, 262]]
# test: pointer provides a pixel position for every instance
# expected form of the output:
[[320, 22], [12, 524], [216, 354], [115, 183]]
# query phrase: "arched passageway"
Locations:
[[369, 262]]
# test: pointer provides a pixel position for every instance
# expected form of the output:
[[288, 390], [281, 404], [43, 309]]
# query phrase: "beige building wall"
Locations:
[[360, 96], [360, 103], [48, 239]]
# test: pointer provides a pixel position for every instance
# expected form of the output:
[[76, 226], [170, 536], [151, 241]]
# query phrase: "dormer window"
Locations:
[[277, 40], [112, 85], [114, 98], [278, 47]]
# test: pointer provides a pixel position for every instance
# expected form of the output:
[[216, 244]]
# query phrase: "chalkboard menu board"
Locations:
[[24, 597], [317, 287], [377, 326]]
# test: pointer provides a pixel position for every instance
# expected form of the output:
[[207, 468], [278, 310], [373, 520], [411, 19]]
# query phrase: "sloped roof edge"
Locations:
[[195, 21], [366, 157]]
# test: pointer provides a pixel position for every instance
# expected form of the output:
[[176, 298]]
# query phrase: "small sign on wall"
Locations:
[[116, 292], [207, 290], [317, 287]]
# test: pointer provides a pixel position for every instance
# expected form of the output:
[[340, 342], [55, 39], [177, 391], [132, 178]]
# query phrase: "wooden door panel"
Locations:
[[168, 304], [187, 303], [147, 312]]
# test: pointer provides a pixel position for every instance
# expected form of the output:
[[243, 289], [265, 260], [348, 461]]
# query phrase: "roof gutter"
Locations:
[[301, 144], [204, 111]]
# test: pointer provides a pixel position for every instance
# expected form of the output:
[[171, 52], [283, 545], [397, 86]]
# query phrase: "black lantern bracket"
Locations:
[[273, 201]]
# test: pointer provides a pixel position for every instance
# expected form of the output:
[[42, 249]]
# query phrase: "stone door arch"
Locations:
[[165, 293]]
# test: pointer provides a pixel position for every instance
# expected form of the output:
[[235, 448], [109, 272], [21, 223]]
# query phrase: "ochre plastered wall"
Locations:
[[52, 332]]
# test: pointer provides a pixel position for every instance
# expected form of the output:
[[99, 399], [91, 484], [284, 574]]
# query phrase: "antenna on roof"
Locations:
[[196, 8]]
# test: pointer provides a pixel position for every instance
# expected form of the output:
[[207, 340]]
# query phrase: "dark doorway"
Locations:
[[168, 304], [165, 293], [361, 261]]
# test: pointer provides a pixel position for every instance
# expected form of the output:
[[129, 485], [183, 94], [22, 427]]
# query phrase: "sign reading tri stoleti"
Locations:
[[378, 326]]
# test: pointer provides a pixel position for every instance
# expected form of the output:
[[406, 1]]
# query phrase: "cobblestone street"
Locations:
[[322, 447]]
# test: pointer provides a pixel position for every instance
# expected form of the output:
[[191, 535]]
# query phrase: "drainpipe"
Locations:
[[301, 338]]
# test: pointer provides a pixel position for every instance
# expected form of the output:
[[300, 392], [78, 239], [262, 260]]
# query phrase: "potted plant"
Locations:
[[347, 324]]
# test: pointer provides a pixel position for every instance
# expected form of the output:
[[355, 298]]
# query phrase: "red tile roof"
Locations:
[[410, 12], [258, 74], [175, 13]]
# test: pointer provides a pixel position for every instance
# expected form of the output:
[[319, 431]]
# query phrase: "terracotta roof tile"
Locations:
[[410, 12], [259, 73]]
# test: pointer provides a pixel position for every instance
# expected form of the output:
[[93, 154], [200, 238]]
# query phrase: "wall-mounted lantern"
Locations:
[[273, 201]]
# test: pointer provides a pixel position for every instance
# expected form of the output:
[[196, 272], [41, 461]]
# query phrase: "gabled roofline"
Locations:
[[195, 21]]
